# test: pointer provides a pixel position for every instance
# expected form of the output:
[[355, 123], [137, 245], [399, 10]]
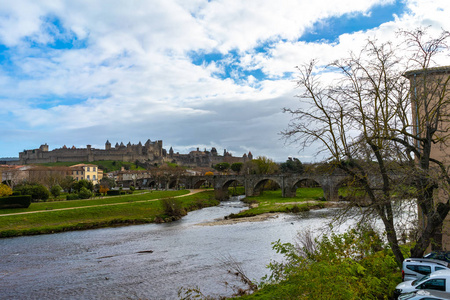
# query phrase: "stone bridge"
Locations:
[[253, 184], [288, 183]]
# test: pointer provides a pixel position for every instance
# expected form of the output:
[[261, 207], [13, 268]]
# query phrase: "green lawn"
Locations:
[[38, 206], [84, 217]]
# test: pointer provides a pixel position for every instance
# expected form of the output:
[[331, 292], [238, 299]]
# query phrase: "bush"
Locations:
[[55, 190], [103, 189], [173, 207], [15, 202], [40, 192], [36, 191], [113, 193], [5, 190], [352, 265], [72, 197], [84, 193]]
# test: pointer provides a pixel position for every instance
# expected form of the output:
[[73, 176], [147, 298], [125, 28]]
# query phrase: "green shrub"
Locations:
[[173, 207], [352, 265], [84, 193], [36, 191], [113, 193], [15, 202], [40, 192], [55, 190], [72, 197]]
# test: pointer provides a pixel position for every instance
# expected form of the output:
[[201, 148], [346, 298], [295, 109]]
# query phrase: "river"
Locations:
[[147, 261]]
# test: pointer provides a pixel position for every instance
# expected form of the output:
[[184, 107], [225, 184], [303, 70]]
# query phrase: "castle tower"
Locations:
[[107, 145], [213, 151]]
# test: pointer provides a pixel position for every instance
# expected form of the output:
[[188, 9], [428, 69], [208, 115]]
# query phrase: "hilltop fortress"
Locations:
[[150, 152]]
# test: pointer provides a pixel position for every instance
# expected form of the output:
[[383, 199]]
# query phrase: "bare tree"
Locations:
[[363, 120]]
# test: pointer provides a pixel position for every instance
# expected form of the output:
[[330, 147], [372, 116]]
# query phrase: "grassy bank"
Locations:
[[88, 214], [272, 201]]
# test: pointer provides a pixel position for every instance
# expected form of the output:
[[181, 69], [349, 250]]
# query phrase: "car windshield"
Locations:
[[420, 280]]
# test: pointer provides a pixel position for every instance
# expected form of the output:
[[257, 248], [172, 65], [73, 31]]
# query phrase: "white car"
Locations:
[[439, 280], [425, 295], [416, 268]]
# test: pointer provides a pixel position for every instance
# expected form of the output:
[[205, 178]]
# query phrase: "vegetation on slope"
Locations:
[[88, 214]]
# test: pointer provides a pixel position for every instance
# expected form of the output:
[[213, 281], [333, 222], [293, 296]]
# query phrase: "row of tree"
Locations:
[[262, 165]]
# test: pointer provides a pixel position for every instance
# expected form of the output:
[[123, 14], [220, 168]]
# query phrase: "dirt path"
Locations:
[[191, 192]]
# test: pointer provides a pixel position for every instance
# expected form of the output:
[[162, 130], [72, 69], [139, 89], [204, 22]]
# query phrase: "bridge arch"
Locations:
[[302, 182], [198, 183], [257, 187], [221, 187]]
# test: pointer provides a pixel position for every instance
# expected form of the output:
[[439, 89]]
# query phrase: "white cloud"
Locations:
[[130, 73]]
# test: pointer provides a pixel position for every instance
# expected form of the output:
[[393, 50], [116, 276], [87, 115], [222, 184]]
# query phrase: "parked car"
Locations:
[[416, 268], [441, 255], [425, 295], [439, 280]]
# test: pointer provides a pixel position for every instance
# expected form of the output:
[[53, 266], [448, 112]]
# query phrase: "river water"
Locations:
[[147, 261]]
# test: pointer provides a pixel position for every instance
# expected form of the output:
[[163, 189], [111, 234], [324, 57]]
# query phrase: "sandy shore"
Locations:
[[257, 218]]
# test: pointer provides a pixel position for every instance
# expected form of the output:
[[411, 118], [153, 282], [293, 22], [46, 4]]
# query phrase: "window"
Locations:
[[433, 284], [439, 268], [77, 172], [93, 169], [424, 270], [88, 169], [88, 177], [93, 177]]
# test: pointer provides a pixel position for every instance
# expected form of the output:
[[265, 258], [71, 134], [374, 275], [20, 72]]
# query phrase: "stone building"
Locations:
[[86, 171], [150, 152], [206, 158], [430, 100]]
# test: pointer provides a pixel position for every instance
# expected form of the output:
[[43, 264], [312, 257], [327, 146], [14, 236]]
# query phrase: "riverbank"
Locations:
[[272, 215], [61, 216], [52, 217]]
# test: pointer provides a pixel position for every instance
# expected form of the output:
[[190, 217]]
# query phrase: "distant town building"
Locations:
[[15, 174], [86, 171]]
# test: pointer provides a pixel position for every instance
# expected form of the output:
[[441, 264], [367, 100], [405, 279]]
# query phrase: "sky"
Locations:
[[192, 73]]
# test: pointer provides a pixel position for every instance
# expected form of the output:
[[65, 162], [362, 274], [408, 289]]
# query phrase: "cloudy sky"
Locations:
[[193, 73]]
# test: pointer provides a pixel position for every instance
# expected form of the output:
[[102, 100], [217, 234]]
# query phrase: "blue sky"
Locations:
[[193, 73]]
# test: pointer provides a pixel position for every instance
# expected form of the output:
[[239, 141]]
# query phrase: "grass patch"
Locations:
[[39, 206], [272, 201], [82, 217]]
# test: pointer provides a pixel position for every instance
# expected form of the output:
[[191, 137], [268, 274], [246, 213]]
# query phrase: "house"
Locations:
[[86, 171]]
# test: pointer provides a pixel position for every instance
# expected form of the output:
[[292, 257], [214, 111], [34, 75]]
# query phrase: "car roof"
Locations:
[[427, 260], [444, 272]]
